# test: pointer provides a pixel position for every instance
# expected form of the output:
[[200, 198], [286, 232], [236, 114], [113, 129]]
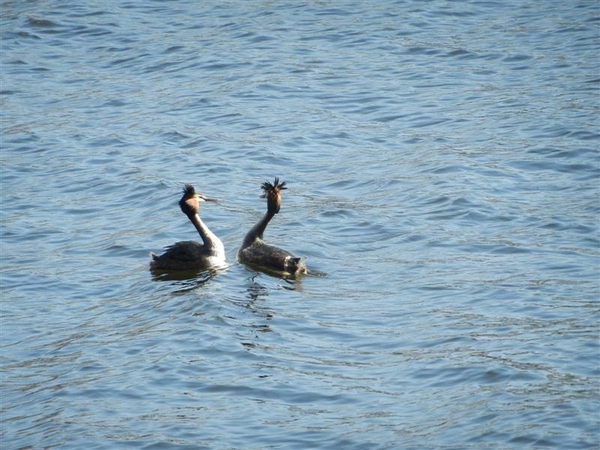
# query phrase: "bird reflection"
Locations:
[[187, 279]]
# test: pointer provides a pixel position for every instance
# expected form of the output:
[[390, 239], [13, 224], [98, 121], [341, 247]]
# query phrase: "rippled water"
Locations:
[[442, 164]]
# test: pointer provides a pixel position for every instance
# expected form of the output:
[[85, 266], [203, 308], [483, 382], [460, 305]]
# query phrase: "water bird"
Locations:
[[187, 255], [255, 252]]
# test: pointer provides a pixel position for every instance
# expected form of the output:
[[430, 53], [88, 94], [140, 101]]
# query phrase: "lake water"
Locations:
[[443, 171]]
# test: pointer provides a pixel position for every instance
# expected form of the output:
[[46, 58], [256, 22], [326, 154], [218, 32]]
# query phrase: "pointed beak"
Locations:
[[204, 198]]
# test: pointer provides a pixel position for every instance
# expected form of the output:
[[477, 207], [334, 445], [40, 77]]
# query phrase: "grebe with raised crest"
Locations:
[[189, 255], [255, 252]]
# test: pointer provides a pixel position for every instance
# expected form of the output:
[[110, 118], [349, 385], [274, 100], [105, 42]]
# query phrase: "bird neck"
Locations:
[[208, 237], [257, 230]]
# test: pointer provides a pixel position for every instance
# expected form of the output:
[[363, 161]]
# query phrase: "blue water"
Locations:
[[443, 171]]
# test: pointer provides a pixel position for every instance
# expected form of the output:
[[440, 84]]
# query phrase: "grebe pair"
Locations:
[[253, 252]]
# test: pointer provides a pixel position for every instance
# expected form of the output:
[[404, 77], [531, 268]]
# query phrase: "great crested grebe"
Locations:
[[188, 255], [255, 252]]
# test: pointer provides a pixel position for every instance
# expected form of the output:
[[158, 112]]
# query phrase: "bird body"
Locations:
[[188, 255], [255, 252]]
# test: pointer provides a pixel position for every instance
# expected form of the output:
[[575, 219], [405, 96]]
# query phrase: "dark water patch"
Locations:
[[517, 58], [120, 61], [41, 23], [511, 249]]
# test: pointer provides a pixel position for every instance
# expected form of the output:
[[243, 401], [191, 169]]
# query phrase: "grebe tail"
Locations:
[[188, 255], [255, 252]]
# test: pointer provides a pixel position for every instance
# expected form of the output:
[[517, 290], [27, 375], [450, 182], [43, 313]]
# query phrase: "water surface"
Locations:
[[442, 164]]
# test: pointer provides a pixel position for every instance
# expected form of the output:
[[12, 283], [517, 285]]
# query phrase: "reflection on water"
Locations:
[[197, 277], [276, 273], [442, 162]]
